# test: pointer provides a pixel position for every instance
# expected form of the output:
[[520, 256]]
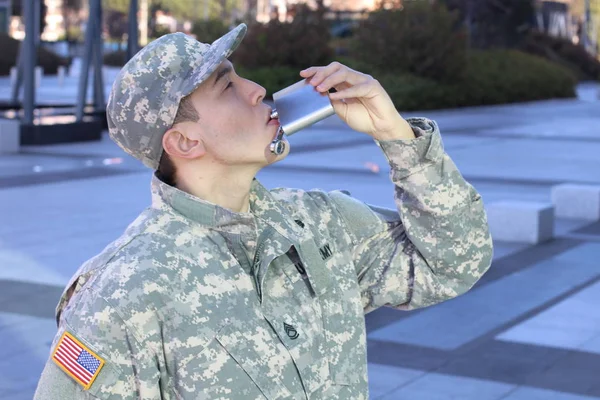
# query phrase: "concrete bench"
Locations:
[[575, 201], [10, 135], [519, 221]]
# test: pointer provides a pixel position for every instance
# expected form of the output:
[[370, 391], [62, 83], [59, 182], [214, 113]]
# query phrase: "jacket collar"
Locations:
[[262, 206]]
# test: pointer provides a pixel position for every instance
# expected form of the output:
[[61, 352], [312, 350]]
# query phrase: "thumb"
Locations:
[[340, 107]]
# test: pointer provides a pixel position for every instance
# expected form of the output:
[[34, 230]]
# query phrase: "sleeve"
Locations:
[[435, 246], [95, 356]]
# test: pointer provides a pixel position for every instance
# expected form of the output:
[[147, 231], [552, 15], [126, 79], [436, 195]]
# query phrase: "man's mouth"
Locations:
[[272, 118]]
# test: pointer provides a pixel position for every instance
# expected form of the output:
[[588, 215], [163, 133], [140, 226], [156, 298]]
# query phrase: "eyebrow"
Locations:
[[221, 73]]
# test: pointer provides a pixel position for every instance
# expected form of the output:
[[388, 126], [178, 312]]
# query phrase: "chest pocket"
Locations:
[[334, 284], [304, 290], [295, 317], [308, 338], [255, 348]]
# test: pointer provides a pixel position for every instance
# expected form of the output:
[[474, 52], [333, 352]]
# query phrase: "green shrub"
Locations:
[[115, 58], [209, 31], [564, 52], [48, 60], [301, 43], [418, 39], [492, 77], [505, 76]]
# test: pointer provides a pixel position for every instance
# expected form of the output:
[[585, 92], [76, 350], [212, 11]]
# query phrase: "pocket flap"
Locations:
[[262, 356]]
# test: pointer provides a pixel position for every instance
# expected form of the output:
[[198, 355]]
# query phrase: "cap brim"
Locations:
[[218, 51]]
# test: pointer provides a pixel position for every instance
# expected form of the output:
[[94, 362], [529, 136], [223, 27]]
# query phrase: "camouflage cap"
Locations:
[[145, 96]]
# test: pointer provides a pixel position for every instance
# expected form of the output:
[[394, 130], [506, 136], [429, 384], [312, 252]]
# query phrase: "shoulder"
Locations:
[[93, 352], [318, 202], [306, 200], [157, 282]]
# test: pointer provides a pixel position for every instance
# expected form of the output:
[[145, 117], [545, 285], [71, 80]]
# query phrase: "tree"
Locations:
[[116, 24], [417, 38], [17, 9], [299, 44], [71, 18], [495, 23], [116, 5]]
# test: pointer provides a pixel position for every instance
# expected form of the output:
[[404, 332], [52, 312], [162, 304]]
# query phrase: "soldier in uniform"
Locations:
[[222, 289]]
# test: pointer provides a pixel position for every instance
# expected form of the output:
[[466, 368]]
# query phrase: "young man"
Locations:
[[222, 289]]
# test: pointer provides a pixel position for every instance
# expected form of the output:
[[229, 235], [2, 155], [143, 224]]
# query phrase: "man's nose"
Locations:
[[258, 93]]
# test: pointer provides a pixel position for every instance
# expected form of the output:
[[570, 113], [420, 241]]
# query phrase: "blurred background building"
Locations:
[[576, 20]]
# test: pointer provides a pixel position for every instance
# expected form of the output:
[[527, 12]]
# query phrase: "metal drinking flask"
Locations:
[[298, 106]]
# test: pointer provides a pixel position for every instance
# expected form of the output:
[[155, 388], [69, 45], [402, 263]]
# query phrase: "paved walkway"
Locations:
[[529, 330]]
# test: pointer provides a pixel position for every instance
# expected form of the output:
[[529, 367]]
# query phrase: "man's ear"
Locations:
[[178, 145]]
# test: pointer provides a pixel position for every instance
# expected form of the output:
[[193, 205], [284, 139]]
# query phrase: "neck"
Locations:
[[224, 186]]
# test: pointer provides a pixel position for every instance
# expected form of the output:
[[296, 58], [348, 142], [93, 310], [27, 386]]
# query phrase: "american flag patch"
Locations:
[[77, 360]]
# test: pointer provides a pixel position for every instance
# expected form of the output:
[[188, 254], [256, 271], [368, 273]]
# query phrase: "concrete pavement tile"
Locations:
[[587, 253], [24, 392], [527, 159], [443, 387], [26, 334], [592, 346], [590, 229], [568, 324], [21, 369], [406, 356], [457, 322], [502, 361], [577, 372], [26, 395], [525, 258], [384, 379], [384, 316], [499, 361], [22, 266], [32, 299], [507, 249], [548, 335], [529, 393]]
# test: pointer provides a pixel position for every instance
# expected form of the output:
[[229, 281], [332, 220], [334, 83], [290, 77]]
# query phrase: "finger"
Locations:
[[332, 80], [324, 72], [308, 72], [360, 90], [340, 107], [346, 76]]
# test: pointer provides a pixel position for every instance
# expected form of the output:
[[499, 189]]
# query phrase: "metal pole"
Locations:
[[99, 103], [587, 19], [86, 59], [19, 81], [469, 23], [132, 36], [29, 60], [144, 22], [38, 22]]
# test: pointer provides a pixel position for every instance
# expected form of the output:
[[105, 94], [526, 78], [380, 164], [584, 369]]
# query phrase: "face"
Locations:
[[235, 127]]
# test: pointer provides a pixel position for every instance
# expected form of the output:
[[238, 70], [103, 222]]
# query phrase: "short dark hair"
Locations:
[[166, 171]]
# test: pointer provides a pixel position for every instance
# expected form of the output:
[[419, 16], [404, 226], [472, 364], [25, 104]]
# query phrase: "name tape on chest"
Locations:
[[77, 360]]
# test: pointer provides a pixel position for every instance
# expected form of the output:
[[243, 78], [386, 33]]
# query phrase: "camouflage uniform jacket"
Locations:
[[177, 309]]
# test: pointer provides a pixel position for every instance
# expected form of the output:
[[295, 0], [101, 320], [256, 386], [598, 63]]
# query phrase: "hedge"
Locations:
[[48, 60], [417, 39], [492, 77], [114, 58], [564, 52]]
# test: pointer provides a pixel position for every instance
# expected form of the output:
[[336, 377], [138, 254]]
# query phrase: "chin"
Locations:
[[272, 158]]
